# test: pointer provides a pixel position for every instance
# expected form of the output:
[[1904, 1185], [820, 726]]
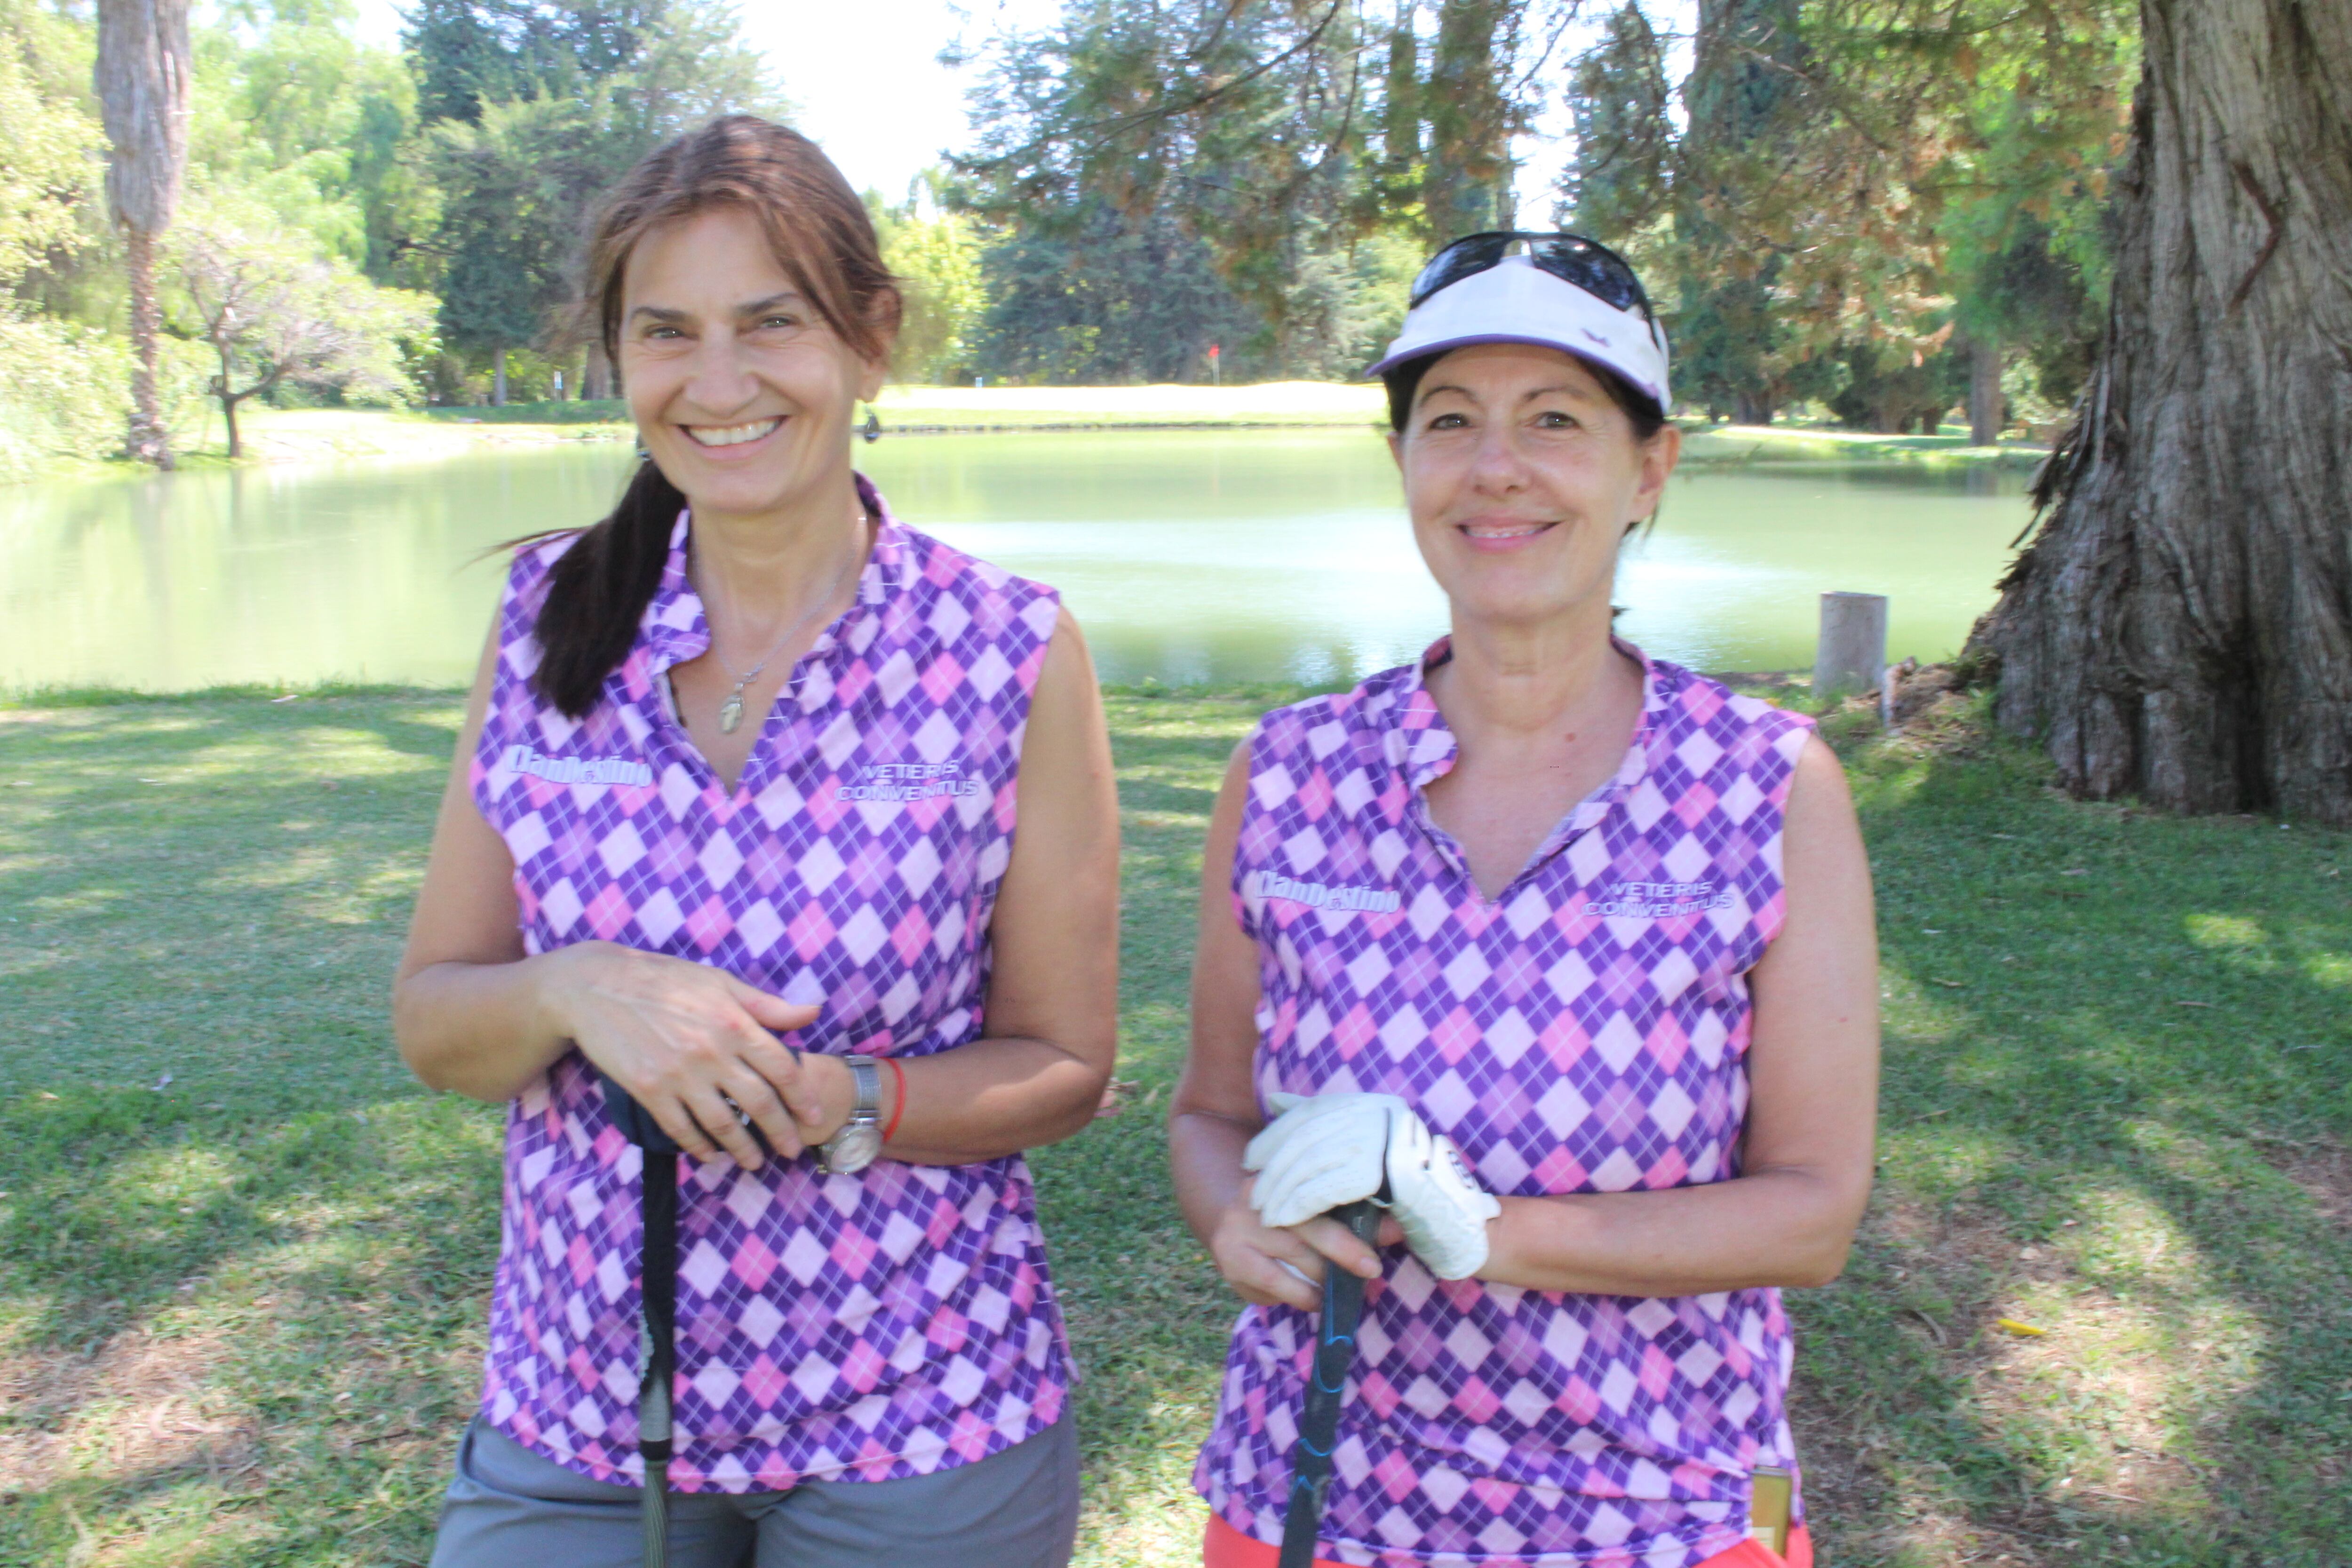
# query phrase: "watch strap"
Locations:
[[856, 1142], [868, 1078]]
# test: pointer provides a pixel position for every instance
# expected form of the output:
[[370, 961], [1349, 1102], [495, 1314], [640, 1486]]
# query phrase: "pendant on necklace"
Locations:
[[731, 713]]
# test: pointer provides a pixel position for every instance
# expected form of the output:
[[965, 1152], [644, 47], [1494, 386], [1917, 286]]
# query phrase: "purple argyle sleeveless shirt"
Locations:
[[1586, 1032], [867, 1327]]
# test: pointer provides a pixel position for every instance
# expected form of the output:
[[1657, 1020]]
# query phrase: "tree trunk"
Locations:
[[2181, 629], [1985, 407], [223, 390], [1751, 408], [499, 378], [596, 379], [148, 441], [141, 74]]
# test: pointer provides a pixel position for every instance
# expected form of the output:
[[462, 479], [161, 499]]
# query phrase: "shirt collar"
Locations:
[[1421, 743], [676, 630]]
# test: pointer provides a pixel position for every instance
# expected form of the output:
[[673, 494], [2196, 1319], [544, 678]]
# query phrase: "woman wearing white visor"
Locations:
[[1562, 953]]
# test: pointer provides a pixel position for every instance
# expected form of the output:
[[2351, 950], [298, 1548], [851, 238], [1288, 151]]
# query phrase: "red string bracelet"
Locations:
[[898, 1110]]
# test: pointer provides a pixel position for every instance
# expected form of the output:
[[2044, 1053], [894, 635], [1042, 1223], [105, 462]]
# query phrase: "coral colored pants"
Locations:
[[1225, 1547]]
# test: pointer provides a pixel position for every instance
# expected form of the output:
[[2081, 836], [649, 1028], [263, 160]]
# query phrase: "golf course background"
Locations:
[[2101, 1312]]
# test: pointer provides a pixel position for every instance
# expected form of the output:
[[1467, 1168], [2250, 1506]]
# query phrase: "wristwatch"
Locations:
[[853, 1148]]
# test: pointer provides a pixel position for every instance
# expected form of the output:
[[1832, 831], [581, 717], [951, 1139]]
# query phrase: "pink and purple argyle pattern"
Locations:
[[1585, 1032], [867, 1327]]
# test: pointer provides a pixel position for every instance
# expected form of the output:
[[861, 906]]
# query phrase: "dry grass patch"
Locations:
[[2094, 1402], [2321, 1170], [143, 1407]]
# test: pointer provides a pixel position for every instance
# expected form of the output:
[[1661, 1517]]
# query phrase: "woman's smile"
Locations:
[[1493, 534], [714, 437]]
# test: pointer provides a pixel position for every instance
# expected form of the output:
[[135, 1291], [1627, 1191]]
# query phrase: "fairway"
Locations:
[[2101, 1313]]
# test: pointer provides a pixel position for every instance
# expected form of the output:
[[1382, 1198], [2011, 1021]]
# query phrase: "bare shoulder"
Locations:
[[1068, 658], [1818, 794], [1065, 709], [1824, 865]]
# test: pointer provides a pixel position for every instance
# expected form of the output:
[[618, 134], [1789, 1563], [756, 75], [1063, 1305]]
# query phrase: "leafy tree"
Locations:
[[1390, 195], [2041, 118], [1243, 125], [400, 206], [518, 157], [1119, 301], [471, 53], [48, 164], [284, 94], [937, 258], [1470, 114], [1891, 389], [276, 312], [1844, 183], [1739, 96], [1619, 96], [515, 184]]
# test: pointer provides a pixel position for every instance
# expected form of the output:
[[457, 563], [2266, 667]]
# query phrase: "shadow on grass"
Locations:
[[301, 1239], [206, 1144], [293, 1203], [1149, 1317], [2104, 1029]]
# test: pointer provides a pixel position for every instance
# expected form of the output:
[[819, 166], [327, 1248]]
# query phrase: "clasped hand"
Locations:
[[1322, 1151], [694, 1045]]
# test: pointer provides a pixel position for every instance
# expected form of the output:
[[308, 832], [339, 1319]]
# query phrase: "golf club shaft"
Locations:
[[660, 1348], [1318, 1421]]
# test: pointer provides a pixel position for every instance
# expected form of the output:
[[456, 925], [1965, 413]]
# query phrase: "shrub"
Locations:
[[65, 392]]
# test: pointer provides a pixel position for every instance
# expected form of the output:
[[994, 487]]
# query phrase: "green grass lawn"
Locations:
[[244, 1259]]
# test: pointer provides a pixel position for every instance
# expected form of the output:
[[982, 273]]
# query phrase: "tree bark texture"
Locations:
[[596, 376], [141, 76], [2181, 628], [148, 440], [1985, 405]]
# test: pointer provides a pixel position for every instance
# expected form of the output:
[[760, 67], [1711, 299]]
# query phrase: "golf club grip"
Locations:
[[638, 1126], [1319, 1420]]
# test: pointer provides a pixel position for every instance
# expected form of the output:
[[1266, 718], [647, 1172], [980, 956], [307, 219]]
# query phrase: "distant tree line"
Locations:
[[1877, 207], [336, 220]]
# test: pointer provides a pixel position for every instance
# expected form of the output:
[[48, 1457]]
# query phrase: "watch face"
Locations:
[[853, 1148]]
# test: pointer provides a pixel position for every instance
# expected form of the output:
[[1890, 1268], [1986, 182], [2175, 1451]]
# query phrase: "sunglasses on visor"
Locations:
[[1570, 258]]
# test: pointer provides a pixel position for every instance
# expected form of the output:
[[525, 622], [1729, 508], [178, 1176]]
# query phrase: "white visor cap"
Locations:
[[1515, 301]]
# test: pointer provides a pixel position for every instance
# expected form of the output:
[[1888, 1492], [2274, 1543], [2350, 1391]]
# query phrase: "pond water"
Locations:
[[1188, 555]]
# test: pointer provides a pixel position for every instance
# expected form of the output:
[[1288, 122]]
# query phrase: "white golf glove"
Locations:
[[1332, 1149]]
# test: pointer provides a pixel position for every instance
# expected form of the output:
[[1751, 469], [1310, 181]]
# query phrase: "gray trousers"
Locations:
[[510, 1508]]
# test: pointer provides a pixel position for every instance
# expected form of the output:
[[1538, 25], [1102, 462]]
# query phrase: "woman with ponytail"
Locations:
[[729, 851]]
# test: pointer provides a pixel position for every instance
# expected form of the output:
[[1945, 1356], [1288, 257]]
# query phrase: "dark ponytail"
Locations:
[[598, 591], [821, 235]]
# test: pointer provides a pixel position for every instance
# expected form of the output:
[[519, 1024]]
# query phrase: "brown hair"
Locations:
[[822, 237]]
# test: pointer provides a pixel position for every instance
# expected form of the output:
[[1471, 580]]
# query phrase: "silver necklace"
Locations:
[[730, 712]]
